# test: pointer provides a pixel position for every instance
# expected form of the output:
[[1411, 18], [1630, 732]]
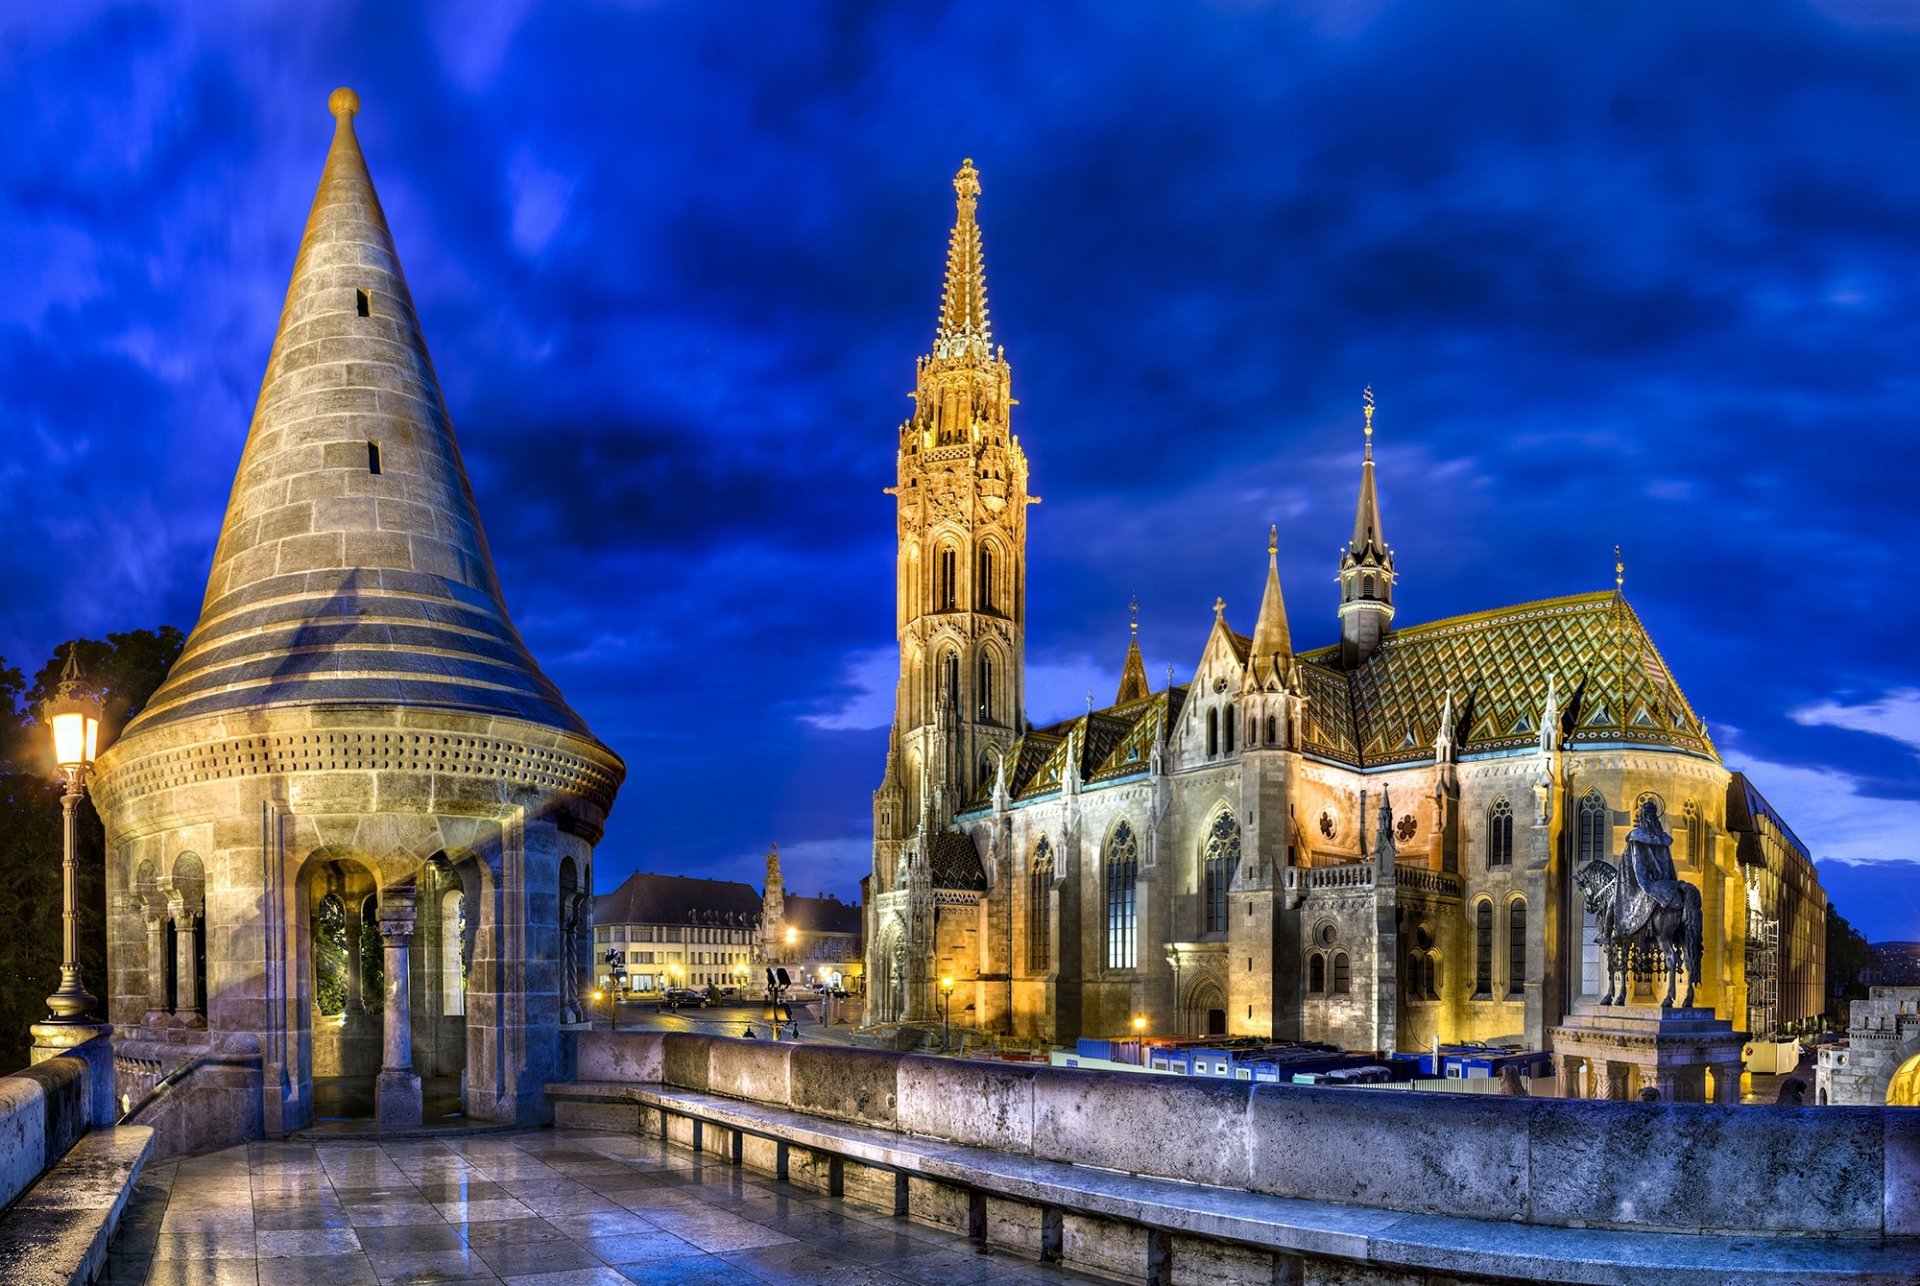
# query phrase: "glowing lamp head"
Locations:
[[793, 936], [946, 984], [73, 712], [1139, 1023], [598, 994]]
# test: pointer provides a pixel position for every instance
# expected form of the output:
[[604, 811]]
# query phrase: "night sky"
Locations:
[[1634, 273]]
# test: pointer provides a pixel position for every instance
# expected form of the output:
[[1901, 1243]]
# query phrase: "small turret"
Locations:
[[1271, 664], [1366, 569]]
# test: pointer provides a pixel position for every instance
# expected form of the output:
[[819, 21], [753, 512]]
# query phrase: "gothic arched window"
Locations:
[[1220, 859], [1273, 730], [983, 595], [1500, 834], [1316, 973], [1483, 948], [1123, 875], [946, 589], [1593, 827], [1040, 908], [986, 692], [1516, 946], [1213, 732], [1342, 974], [1230, 717]]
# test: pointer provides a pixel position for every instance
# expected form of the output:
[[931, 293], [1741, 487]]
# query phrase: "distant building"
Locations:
[[1879, 1062], [684, 931], [1899, 963], [1371, 842], [677, 931]]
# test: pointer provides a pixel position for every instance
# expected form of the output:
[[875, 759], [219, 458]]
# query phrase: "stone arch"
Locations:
[[1120, 870], [890, 988], [185, 888], [1203, 1010], [345, 1043], [1219, 863]]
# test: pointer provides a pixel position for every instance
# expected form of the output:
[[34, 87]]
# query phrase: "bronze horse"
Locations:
[[1672, 932]]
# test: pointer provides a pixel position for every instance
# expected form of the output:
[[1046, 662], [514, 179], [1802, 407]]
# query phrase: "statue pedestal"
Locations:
[[1614, 1051]]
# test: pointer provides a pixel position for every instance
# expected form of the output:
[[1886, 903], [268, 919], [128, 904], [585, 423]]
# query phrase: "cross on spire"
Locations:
[[1619, 571]]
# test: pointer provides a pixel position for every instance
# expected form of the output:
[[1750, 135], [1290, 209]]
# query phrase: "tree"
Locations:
[[125, 669], [1848, 957]]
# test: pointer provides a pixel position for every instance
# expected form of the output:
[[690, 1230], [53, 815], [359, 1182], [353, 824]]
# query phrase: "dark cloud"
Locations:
[[1636, 275]]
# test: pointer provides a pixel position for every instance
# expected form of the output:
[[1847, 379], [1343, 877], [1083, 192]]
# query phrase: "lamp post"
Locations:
[[946, 1014], [73, 713], [597, 994]]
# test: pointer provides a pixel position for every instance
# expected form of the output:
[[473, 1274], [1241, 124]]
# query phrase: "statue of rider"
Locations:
[[1647, 877]]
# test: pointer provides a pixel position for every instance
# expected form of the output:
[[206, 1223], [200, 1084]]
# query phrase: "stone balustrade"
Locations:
[[1791, 1173], [1420, 879]]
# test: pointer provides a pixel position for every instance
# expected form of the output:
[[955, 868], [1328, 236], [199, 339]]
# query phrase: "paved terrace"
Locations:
[[545, 1207]]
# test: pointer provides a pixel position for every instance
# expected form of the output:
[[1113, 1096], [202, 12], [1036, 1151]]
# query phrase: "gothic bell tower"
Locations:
[[1366, 569], [962, 502]]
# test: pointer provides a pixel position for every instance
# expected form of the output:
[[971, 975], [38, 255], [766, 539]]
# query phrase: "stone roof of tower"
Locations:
[[1612, 684], [955, 863], [646, 898], [351, 568]]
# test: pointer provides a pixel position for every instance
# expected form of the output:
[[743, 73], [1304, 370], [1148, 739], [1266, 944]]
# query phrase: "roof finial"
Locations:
[[1366, 403], [1219, 608], [1619, 571], [344, 104], [1273, 539], [1133, 608]]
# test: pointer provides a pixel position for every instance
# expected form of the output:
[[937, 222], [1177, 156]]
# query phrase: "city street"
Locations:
[[729, 1018]]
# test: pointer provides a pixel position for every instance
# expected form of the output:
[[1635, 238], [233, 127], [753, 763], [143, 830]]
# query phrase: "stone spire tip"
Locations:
[[344, 103], [966, 183]]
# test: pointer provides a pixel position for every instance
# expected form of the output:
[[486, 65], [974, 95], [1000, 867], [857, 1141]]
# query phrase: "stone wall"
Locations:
[[44, 1110], [1632, 1166]]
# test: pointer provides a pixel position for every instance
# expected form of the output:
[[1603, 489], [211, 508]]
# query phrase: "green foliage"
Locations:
[[1848, 957], [330, 956], [124, 669]]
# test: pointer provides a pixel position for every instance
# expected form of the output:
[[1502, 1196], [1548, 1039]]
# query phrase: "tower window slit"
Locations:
[[373, 457], [362, 304]]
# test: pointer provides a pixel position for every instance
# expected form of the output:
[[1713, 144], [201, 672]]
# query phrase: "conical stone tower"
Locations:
[[354, 741]]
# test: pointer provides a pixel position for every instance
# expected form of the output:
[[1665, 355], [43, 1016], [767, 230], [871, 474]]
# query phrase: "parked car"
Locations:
[[683, 996]]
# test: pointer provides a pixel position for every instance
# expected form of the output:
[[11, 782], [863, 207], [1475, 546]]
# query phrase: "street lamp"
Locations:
[[597, 994], [73, 712], [1139, 1024], [946, 1014]]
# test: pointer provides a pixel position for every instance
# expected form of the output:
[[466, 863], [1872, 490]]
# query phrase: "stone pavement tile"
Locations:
[[290, 1218], [602, 1224], [562, 1207], [218, 1242], [518, 1259], [297, 1242], [949, 1268], [881, 1246], [410, 1238], [202, 1272], [718, 1233], [503, 1232], [319, 1270], [785, 1262], [485, 1210], [385, 1214], [640, 1247], [708, 1270], [458, 1189], [370, 1196], [597, 1276], [626, 1181], [411, 1267]]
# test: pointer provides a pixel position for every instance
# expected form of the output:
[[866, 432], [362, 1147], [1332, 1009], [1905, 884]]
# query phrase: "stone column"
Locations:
[[397, 1092], [355, 1006], [1602, 1079], [186, 995], [1726, 1082], [156, 1015], [1570, 1076]]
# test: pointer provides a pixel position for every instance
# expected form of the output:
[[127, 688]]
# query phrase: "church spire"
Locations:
[[1366, 567], [1272, 642], [1133, 675], [963, 325]]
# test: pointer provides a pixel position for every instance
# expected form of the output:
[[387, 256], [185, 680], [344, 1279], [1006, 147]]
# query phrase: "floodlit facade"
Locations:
[[1370, 841]]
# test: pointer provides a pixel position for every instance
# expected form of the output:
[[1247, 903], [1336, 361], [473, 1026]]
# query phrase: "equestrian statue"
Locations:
[[1648, 917]]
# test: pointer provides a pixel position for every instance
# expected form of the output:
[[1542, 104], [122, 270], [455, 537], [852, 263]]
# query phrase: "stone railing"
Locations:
[[1422, 880], [1348, 875], [1766, 1173]]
